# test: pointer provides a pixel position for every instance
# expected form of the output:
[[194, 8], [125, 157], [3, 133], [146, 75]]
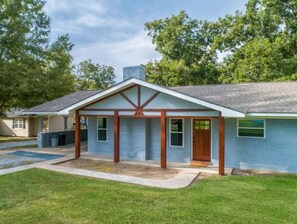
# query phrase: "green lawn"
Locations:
[[14, 139], [38, 196]]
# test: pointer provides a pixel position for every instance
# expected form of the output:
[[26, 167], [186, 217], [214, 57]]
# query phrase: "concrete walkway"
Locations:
[[7, 145], [181, 180]]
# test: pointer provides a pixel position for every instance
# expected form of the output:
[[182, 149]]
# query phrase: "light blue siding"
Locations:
[[171, 102], [214, 141], [180, 154], [153, 139], [146, 93], [139, 140], [95, 147], [131, 94], [113, 102], [132, 139], [278, 151]]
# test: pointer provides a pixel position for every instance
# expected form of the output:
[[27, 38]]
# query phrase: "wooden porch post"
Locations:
[[77, 134], [116, 136], [163, 139], [221, 145]]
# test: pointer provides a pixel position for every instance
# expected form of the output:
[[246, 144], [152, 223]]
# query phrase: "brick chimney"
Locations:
[[137, 72]]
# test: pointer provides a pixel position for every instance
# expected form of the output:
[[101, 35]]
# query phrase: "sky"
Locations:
[[112, 32]]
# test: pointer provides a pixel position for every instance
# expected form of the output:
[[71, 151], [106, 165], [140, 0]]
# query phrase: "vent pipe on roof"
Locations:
[[137, 72]]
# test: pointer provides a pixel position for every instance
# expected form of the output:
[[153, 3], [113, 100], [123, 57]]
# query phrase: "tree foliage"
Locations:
[[91, 76], [184, 45], [261, 44], [32, 70]]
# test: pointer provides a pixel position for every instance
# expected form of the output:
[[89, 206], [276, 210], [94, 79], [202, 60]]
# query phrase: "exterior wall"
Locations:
[[133, 138], [278, 151], [33, 126], [7, 130], [95, 147], [139, 140], [110, 103], [165, 101], [153, 141], [181, 154], [215, 142], [56, 123]]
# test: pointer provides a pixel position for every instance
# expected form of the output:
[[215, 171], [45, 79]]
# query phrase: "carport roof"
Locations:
[[54, 106]]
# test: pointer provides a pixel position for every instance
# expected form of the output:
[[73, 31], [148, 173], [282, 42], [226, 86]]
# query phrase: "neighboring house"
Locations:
[[16, 124], [247, 126]]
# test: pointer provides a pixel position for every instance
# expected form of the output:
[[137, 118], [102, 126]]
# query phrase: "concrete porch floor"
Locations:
[[155, 163]]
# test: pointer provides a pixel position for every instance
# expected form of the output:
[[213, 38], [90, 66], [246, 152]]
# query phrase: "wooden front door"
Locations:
[[201, 139]]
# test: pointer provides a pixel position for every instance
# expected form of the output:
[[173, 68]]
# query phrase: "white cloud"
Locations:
[[135, 50], [75, 17], [70, 6], [101, 33], [91, 20]]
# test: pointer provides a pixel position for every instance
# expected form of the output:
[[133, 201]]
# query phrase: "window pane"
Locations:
[[176, 139], [251, 123], [102, 122], [202, 125], [176, 125], [102, 135], [251, 132]]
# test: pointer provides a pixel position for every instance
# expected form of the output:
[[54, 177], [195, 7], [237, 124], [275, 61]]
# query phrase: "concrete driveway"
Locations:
[[7, 145]]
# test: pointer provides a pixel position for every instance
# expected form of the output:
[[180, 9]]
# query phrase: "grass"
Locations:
[[14, 139], [39, 196]]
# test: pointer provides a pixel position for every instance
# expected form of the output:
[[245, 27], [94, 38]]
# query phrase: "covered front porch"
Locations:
[[142, 124]]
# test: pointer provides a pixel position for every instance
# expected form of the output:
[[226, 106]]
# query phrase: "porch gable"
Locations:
[[142, 101]]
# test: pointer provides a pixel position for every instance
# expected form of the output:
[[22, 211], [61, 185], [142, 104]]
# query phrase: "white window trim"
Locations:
[[264, 128], [183, 133], [102, 129], [22, 123]]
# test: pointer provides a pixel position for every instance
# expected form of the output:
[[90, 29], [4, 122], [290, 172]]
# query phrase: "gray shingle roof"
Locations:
[[269, 97], [63, 102], [14, 112]]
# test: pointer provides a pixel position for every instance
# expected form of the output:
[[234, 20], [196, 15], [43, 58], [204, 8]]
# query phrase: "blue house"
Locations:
[[247, 126]]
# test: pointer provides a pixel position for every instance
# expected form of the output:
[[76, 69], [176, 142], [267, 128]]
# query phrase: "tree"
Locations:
[[262, 42], [184, 44], [32, 70], [91, 76]]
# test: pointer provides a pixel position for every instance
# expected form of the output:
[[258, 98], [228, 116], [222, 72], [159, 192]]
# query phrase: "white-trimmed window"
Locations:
[[102, 129], [18, 123], [176, 135], [251, 128]]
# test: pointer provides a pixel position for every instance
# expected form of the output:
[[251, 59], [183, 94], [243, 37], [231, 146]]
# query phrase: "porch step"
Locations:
[[200, 163]]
